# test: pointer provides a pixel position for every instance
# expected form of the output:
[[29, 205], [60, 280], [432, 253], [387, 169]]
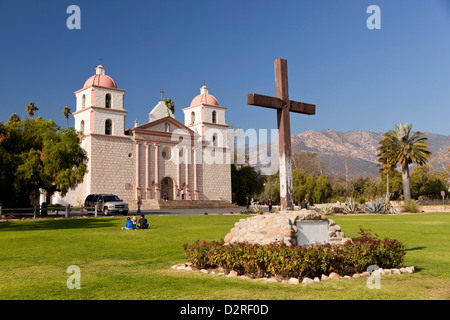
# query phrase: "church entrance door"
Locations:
[[167, 187]]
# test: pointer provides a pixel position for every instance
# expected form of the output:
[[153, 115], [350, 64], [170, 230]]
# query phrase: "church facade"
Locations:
[[162, 157]]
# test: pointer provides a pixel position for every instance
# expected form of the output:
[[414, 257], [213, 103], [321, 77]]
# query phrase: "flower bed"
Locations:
[[256, 261]]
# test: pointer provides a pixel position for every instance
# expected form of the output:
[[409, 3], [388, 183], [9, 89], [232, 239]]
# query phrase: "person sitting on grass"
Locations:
[[129, 225], [143, 223]]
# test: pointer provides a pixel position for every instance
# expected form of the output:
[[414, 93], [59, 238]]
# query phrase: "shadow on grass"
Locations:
[[415, 248], [58, 224]]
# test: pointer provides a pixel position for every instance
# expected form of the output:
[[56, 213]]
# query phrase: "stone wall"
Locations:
[[279, 227]]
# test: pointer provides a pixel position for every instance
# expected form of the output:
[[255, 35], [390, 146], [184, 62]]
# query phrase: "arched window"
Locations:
[[82, 126], [83, 101], [214, 139], [108, 101], [214, 117], [108, 127], [192, 117]]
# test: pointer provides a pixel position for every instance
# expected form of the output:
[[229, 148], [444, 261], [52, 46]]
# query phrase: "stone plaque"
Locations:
[[312, 231]]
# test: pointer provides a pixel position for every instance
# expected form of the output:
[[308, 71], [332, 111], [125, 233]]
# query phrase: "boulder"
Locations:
[[307, 281]]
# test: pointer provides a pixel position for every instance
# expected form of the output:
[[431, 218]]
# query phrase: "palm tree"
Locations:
[[13, 118], [170, 105], [400, 146], [66, 112], [31, 108]]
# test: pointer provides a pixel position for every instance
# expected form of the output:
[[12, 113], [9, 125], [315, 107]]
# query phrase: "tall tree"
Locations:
[[403, 147], [31, 108], [66, 112], [245, 182], [387, 162], [38, 154], [170, 105], [14, 118]]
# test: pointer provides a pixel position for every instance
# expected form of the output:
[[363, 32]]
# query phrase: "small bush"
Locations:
[[411, 206], [361, 200], [298, 261]]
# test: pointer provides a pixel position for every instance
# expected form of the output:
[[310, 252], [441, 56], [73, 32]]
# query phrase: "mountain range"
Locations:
[[353, 153]]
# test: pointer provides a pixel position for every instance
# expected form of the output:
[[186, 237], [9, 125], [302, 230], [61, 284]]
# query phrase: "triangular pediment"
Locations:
[[167, 125]]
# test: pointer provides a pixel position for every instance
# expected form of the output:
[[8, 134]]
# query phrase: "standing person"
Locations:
[[139, 205], [182, 194], [270, 205], [178, 193], [247, 200], [143, 223]]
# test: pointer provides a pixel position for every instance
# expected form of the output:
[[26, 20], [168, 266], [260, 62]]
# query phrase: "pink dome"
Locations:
[[204, 98], [100, 79]]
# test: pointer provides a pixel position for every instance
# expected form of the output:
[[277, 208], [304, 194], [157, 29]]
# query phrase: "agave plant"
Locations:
[[256, 208], [326, 210], [351, 205], [376, 206], [388, 206]]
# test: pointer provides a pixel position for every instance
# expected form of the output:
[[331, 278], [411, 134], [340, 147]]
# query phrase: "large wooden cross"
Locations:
[[283, 106]]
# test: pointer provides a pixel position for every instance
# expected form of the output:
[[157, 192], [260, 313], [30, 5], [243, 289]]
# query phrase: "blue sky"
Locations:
[[359, 79]]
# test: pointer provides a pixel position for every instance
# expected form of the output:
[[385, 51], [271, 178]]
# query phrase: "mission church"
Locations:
[[146, 162]]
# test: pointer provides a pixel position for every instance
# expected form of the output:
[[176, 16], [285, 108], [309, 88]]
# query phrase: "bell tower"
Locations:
[[100, 106], [206, 117]]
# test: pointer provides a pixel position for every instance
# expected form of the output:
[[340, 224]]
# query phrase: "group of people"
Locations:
[[251, 201], [132, 223]]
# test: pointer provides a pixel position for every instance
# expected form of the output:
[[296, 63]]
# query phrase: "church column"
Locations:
[[187, 161], [195, 174], [178, 182], [157, 188], [138, 181], [147, 170]]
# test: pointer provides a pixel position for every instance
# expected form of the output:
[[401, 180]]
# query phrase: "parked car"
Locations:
[[106, 203]]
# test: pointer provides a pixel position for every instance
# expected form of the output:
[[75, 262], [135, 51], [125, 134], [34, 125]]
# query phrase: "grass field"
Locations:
[[119, 264]]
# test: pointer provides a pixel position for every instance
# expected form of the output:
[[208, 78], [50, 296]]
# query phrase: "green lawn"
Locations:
[[119, 264]]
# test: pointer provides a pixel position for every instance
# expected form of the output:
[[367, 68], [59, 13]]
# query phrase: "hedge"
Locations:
[[287, 262]]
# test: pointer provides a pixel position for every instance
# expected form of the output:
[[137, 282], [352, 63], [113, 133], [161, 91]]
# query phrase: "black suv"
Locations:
[[106, 203]]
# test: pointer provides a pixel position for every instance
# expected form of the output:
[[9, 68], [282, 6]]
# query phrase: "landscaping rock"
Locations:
[[307, 281], [232, 274], [293, 281], [334, 276], [324, 277], [365, 274], [410, 269], [395, 271], [316, 279], [278, 228]]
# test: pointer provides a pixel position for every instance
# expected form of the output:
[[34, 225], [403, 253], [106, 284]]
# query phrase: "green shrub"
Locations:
[[298, 261], [411, 206], [361, 200]]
